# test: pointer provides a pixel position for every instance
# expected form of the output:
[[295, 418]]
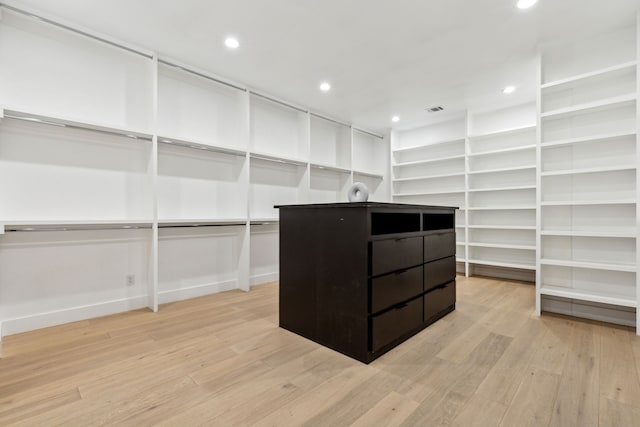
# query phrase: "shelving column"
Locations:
[[330, 154], [589, 179], [279, 175], [202, 183], [76, 175], [501, 191], [429, 167], [369, 162]]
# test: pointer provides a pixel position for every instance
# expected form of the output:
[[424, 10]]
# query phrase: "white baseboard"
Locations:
[[73, 314], [195, 291], [588, 310], [503, 273], [261, 279]]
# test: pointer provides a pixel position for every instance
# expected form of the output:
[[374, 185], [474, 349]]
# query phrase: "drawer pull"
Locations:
[[401, 306], [399, 272]]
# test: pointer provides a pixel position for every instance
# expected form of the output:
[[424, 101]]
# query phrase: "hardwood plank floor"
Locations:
[[222, 360]]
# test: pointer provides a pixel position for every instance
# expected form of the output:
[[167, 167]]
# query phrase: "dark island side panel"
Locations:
[[323, 285]]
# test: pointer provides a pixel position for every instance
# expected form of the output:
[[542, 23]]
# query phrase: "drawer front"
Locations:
[[440, 245], [439, 299], [395, 323], [395, 254], [439, 272], [395, 287]]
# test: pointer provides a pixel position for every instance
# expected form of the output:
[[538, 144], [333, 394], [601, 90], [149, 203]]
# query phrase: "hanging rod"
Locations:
[[330, 120], [284, 104], [276, 159], [36, 228], [199, 146], [68, 28], [368, 133], [52, 122], [330, 168], [196, 73], [230, 224], [370, 175]]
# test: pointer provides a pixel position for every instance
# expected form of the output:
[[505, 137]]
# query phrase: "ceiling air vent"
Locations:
[[435, 109]]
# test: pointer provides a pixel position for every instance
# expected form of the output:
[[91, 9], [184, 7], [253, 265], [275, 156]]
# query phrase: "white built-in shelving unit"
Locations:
[[501, 169], [588, 157], [485, 164], [429, 168], [128, 180]]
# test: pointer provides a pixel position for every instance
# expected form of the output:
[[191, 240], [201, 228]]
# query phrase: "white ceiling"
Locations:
[[381, 57]]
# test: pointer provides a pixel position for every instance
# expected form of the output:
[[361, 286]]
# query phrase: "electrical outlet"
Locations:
[[131, 279]]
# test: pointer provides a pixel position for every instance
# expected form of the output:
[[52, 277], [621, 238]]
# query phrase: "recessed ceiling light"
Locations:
[[395, 119], [526, 4], [324, 86], [509, 89], [231, 43]]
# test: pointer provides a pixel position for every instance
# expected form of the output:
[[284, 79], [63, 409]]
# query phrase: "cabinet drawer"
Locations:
[[395, 254], [439, 245], [439, 299], [439, 272], [395, 323], [395, 287]]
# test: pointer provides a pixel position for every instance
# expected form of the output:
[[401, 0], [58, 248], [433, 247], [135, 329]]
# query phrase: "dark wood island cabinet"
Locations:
[[361, 278]]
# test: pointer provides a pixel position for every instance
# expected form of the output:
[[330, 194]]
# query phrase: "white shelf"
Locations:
[[426, 193], [502, 227], [61, 121], [264, 221], [504, 132], [596, 73], [516, 168], [588, 106], [590, 265], [166, 223], [420, 147], [599, 137], [199, 145], [588, 202], [440, 159], [68, 225], [587, 233], [589, 170], [461, 260], [277, 159], [420, 178], [503, 208], [502, 246], [330, 168], [503, 150], [502, 264], [521, 187], [583, 295], [370, 175]]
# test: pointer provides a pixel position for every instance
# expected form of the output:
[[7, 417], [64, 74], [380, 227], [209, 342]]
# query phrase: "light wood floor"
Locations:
[[222, 360]]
